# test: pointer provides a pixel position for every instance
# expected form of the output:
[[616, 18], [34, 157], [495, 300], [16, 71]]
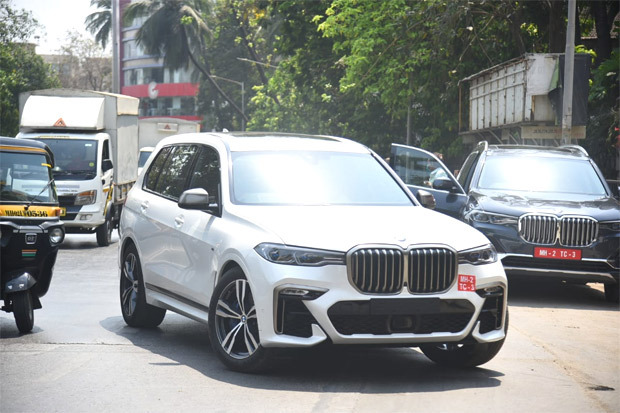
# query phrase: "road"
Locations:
[[561, 355]]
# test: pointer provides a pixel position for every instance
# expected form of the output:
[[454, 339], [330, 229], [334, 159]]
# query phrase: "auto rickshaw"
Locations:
[[31, 229]]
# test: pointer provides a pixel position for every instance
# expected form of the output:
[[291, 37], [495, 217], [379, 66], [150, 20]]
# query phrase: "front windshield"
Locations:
[[312, 178], [75, 158], [540, 174], [26, 177]]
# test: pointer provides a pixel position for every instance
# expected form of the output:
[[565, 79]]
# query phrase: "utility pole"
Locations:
[[569, 70]]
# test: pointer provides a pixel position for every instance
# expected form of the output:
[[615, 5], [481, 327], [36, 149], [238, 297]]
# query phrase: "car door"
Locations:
[[165, 259], [421, 170], [201, 232]]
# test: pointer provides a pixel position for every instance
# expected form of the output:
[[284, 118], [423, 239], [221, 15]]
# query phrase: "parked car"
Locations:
[[293, 240], [547, 210]]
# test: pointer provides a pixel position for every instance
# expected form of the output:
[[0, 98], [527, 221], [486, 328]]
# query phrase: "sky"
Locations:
[[57, 17]]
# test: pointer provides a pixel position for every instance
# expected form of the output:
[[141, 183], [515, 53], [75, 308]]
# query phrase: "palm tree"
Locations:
[[176, 31], [99, 23]]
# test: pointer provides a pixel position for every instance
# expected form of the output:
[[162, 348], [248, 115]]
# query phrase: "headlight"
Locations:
[[57, 235], [283, 254], [499, 219], [610, 226], [477, 256], [86, 198]]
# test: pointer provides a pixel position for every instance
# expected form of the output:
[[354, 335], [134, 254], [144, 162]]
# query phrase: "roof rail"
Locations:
[[482, 145], [575, 148]]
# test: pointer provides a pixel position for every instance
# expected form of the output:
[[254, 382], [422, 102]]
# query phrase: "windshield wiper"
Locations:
[[39, 194]]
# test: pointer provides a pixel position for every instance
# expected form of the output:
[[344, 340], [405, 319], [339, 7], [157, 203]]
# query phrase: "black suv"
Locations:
[[547, 210]]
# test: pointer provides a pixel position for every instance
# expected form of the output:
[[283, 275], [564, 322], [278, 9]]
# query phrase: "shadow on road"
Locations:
[[528, 292], [336, 369]]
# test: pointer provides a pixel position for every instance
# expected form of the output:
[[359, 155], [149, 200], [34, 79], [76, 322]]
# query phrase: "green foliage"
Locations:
[[21, 69]]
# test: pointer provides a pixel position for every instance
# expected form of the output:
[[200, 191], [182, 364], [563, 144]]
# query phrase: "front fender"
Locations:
[[22, 282]]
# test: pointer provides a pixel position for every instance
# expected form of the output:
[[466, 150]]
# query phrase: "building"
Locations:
[[162, 92]]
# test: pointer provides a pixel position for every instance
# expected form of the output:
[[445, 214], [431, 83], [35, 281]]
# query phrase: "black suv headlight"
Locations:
[[613, 226], [492, 218], [479, 255], [284, 254]]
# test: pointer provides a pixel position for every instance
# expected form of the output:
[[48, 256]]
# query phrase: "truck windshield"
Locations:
[[25, 177], [313, 178], [76, 159]]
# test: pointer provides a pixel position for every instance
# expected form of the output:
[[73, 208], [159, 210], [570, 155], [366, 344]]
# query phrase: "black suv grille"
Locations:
[[383, 270], [547, 229]]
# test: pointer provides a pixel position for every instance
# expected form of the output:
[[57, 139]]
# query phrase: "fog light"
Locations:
[[300, 292], [85, 217]]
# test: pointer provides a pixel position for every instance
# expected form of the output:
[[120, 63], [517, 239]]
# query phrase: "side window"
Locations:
[[416, 167], [105, 150], [176, 168], [467, 170], [154, 172], [206, 173]]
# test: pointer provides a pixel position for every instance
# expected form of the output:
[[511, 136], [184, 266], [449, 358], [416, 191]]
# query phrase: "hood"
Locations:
[[340, 228], [517, 203]]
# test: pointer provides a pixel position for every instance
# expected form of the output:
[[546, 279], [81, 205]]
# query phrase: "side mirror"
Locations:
[[426, 199], [614, 185], [444, 184], [106, 165], [195, 198]]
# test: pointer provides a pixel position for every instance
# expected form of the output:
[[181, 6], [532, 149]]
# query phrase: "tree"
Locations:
[[176, 31], [83, 64], [21, 69], [99, 23]]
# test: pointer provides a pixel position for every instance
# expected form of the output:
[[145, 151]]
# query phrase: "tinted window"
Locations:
[[416, 167], [540, 174], [154, 171], [313, 178], [206, 173], [466, 172], [174, 175]]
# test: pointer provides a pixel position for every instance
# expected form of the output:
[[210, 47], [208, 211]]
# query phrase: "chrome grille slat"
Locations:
[[568, 230], [384, 270]]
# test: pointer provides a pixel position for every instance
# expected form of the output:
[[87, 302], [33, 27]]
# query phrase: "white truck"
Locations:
[[94, 138]]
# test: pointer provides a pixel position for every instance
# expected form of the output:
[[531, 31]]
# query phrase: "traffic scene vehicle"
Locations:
[[94, 136], [274, 243], [30, 225], [547, 210]]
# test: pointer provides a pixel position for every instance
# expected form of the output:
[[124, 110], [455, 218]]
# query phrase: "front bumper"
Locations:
[[340, 314], [599, 261]]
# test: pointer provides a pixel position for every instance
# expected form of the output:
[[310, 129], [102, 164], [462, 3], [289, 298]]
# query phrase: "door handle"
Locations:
[[144, 206], [179, 221]]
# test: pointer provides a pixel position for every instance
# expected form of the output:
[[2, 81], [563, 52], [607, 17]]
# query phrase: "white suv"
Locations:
[[279, 240]]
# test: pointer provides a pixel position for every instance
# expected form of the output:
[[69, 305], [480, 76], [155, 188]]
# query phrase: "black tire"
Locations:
[[464, 355], [233, 326], [104, 231], [136, 311], [612, 291], [23, 311]]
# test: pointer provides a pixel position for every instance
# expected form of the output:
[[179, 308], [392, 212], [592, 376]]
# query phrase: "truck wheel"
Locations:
[[23, 311], [464, 355], [104, 231], [233, 327], [136, 311]]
